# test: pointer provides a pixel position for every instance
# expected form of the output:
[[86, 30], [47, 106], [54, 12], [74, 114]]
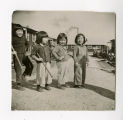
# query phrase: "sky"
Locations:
[[98, 27]]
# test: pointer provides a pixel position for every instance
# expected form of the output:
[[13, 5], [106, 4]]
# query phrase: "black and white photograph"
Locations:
[[63, 60]]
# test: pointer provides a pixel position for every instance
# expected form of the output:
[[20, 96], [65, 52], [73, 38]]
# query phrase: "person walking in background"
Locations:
[[41, 53], [61, 56], [19, 45], [80, 55]]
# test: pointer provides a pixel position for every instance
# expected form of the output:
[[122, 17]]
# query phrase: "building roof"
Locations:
[[28, 29]]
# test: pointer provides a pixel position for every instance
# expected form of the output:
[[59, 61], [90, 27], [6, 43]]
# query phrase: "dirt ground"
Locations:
[[99, 93]]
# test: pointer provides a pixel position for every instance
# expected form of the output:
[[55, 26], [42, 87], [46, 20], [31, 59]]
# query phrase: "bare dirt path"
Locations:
[[99, 94]]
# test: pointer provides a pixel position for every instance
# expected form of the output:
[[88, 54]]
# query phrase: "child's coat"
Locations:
[[80, 55], [42, 76]]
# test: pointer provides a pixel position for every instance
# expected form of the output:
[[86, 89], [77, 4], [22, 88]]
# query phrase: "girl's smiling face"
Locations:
[[44, 40], [62, 41], [19, 32], [80, 40]]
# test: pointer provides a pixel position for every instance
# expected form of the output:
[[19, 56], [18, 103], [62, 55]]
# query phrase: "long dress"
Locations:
[[65, 68]]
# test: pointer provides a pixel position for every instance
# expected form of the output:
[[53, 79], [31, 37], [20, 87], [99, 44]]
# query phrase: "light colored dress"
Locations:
[[63, 66]]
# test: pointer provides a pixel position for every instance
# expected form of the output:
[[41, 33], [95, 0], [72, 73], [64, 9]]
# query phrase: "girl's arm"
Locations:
[[33, 54], [36, 58], [57, 57], [75, 50], [54, 52], [87, 56], [74, 53], [27, 44], [14, 52], [27, 48]]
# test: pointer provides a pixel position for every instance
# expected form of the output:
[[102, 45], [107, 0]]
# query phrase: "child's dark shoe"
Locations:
[[83, 85], [61, 87], [67, 86], [20, 87], [77, 86], [39, 88], [47, 87]]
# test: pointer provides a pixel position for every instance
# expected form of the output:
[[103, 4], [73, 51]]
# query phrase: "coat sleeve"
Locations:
[[54, 52], [50, 52], [87, 56], [34, 50], [75, 50], [27, 44]]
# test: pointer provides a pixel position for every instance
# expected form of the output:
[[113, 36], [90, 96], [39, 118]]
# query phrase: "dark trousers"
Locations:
[[17, 67], [29, 66], [80, 73]]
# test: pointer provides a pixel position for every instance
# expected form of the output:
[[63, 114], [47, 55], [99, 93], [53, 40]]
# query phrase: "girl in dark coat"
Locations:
[[19, 43]]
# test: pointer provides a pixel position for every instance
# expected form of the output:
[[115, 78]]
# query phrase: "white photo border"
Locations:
[[7, 8]]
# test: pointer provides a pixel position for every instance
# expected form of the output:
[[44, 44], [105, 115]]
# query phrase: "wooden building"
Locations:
[[100, 47], [90, 47]]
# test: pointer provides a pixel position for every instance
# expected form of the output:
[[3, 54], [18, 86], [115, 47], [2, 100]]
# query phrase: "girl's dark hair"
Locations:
[[78, 35], [40, 36], [60, 36]]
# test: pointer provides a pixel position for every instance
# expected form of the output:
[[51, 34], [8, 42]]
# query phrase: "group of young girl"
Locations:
[[42, 53]]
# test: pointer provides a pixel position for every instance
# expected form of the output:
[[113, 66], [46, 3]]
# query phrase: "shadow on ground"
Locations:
[[31, 84], [27, 84], [102, 91], [55, 84]]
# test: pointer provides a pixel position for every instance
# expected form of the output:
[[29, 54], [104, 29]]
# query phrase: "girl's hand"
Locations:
[[14, 52], [76, 64], [87, 63], [27, 53], [62, 57], [40, 59]]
